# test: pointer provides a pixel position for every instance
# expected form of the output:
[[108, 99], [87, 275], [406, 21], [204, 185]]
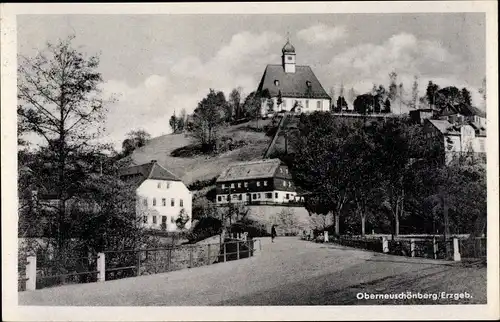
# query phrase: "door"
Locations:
[[163, 222]]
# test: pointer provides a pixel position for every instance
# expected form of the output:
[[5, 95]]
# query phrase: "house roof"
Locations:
[[303, 83], [446, 127], [466, 110], [152, 170], [250, 170]]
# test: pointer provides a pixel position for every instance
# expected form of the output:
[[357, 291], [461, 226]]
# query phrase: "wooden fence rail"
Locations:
[[111, 265]]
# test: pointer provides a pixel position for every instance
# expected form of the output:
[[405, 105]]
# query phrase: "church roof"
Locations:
[[301, 84], [140, 173], [250, 170]]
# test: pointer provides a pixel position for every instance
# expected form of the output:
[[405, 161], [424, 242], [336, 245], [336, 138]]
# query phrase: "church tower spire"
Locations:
[[288, 57]]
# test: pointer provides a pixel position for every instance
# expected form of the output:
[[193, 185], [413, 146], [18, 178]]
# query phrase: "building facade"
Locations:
[[256, 182], [457, 138], [290, 86], [161, 196]]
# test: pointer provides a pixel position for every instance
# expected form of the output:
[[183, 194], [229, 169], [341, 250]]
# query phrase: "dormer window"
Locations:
[[276, 82], [308, 83]]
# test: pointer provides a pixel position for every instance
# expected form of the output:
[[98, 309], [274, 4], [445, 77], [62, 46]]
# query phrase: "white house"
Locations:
[[293, 85], [161, 196], [457, 138]]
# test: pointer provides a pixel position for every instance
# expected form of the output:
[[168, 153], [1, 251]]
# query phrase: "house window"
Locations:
[[145, 219], [289, 183], [159, 184], [286, 171], [284, 103], [228, 197], [232, 185], [284, 183], [154, 220], [245, 184], [223, 186], [181, 203], [254, 196], [240, 197], [307, 103], [265, 183], [145, 202], [154, 201], [172, 202], [168, 185], [258, 183], [164, 202], [172, 220], [275, 195], [281, 170], [287, 196], [219, 198], [269, 195], [318, 105], [239, 184], [258, 196]]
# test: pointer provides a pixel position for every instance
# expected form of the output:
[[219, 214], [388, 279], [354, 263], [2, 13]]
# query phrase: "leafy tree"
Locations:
[[466, 98], [366, 103], [430, 93], [341, 104], [135, 139], [173, 123], [60, 101], [208, 118], [387, 106], [318, 163], [235, 102]]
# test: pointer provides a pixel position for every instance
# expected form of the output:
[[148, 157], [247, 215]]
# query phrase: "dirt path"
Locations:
[[287, 272]]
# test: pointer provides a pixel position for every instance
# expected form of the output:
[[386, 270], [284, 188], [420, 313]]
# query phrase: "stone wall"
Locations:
[[268, 215]]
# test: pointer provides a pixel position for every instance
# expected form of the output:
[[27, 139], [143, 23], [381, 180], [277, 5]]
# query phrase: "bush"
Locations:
[[205, 228], [252, 227], [200, 184]]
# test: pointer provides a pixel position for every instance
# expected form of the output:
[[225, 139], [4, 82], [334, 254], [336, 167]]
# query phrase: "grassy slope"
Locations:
[[203, 167]]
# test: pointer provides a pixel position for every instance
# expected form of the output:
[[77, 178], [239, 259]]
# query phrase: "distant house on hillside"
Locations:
[[457, 138], [256, 182], [160, 195], [293, 85]]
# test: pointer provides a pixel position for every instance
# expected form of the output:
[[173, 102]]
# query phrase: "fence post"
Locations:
[[412, 247], [238, 249], [326, 236], [434, 247], [456, 250], [385, 245], [190, 256], [208, 254], [138, 265], [101, 267], [224, 246], [31, 273]]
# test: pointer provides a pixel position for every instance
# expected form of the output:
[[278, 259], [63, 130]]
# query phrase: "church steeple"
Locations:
[[288, 57]]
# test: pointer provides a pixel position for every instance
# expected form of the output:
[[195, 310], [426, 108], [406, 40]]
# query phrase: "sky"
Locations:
[[157, 64]]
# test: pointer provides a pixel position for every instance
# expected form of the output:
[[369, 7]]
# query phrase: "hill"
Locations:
[[195, 167]]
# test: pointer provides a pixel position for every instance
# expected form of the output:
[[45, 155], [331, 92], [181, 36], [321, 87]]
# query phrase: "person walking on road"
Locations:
[[273, 233]]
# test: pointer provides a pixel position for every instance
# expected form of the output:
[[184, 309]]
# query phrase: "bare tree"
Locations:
[[60, 101]]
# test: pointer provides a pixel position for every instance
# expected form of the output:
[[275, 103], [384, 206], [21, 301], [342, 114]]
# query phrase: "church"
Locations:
[[288, 87]]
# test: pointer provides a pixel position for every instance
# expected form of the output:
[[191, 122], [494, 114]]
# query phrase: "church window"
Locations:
[[276, 82], [289, 57]]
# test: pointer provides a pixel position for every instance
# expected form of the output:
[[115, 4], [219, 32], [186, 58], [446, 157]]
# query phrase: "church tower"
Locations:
[[288, 57]]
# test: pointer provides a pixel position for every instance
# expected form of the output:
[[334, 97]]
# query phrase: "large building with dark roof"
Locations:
[[161, 195], [291, 86], [256, 182]]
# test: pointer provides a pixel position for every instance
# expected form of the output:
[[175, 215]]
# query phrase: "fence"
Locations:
[[110, 265], [435, 248]]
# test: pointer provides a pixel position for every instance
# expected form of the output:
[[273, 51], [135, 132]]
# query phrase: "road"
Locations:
[[286, 272]]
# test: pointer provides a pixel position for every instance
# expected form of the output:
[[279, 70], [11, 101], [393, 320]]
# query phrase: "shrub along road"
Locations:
[[287, 272]]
